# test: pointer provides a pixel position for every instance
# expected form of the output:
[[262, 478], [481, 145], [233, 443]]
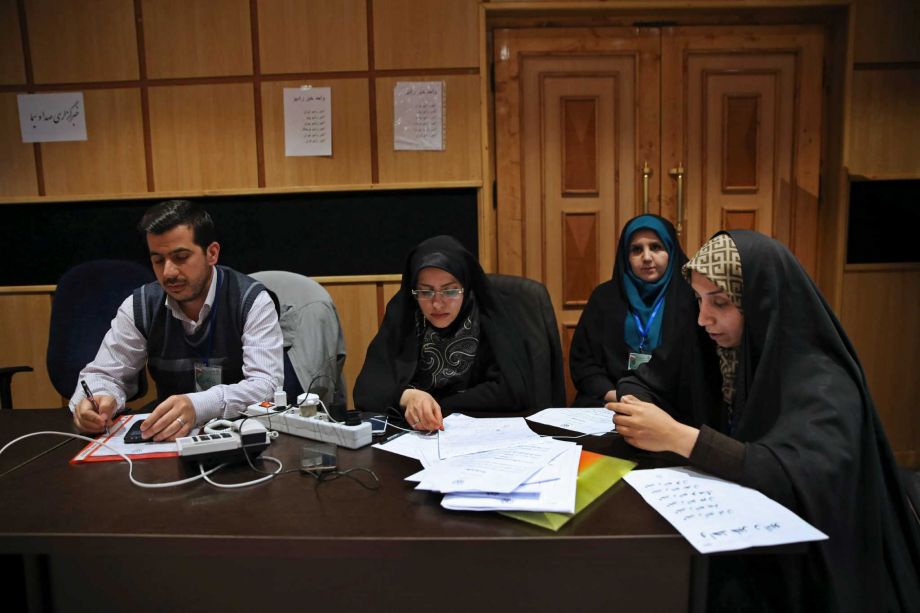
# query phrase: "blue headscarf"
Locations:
[[645, 298]]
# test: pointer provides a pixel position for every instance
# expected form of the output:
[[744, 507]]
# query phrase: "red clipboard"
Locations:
[[90, 452]]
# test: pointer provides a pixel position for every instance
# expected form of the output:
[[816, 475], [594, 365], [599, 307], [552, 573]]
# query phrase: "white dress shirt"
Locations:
[[124, 353]]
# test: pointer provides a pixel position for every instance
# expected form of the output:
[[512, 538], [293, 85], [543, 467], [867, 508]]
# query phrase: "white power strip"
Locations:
[[228, 444], [317, 428]]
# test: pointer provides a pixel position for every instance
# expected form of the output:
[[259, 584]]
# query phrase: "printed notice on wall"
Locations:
[[419, 116], [45, 118], [307, 121]]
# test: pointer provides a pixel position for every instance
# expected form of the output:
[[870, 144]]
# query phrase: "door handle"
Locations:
[[646, 173], [679, 173]]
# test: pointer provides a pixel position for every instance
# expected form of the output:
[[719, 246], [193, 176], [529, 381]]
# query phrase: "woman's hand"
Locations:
[[646, 426], [610, 396], [422, 411]]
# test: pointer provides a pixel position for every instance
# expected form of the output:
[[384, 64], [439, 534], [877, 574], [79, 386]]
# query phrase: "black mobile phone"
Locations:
[[378, 424], [133, 435]]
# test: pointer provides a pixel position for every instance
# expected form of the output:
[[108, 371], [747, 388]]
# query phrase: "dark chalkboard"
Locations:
[[884, 217], [351, 233]]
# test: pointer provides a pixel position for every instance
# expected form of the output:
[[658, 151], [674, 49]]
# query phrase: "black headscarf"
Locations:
[[392, 360], [599, 352], [814, 443]]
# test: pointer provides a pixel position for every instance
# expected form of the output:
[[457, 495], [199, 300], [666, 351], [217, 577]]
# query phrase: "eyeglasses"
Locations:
[[446, 294]]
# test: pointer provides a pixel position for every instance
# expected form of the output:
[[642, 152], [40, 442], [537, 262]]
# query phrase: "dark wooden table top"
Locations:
[[49, 505]]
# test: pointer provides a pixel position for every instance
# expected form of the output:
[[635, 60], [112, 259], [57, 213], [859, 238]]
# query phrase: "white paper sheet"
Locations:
[[717, 515], [418, 116], [418, 445], [56, 117], [498, 470], [116, 441], [552, 495], [597, 421], [476, 435], [307, 121]]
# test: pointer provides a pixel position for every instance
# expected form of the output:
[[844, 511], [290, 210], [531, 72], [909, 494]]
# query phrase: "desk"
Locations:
[[101, 543]]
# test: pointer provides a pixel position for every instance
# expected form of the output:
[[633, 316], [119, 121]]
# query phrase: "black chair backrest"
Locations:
[[85, 302], [529, 303]]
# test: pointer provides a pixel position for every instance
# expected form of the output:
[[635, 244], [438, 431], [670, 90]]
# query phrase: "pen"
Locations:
[[391, 437], [92, 399]]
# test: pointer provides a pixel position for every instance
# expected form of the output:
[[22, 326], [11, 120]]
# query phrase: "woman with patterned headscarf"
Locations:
[[790, 416], [641, 315], [446, 343]]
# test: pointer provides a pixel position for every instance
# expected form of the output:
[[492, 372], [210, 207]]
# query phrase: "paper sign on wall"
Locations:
[[45, 118], [418, 115], [307, 121]]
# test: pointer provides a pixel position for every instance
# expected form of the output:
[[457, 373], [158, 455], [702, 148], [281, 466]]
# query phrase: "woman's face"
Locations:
[[648, 257], [439, 311], [718, 314]]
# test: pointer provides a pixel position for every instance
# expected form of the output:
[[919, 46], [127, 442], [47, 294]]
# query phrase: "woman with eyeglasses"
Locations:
[[642, 315], [446, 343]]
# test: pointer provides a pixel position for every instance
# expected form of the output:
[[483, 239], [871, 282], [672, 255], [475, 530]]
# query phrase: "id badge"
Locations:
[[206, 376], [637, 359]]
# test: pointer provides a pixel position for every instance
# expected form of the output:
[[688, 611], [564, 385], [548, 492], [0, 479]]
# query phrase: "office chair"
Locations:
[[85, 302], [530, 305], [6, 384], [314, 344]]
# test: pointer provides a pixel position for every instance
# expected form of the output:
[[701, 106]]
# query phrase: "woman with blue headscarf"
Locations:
[[638, 317]]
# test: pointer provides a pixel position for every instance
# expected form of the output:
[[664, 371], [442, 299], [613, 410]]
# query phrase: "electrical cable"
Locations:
[[130, 463]]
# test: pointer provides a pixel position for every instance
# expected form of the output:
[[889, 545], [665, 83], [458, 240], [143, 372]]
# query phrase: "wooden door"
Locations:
[[741, 116], [578, 112], [576, 118]]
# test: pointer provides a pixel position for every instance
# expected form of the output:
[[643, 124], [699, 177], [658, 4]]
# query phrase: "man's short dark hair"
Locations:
[[163, 217]]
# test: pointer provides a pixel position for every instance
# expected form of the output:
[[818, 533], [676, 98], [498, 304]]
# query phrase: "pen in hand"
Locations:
[[92, 399]]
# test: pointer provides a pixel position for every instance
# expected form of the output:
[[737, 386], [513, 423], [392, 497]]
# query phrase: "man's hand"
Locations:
[[174, 417], [86, 419], [646, 426], [422, 411]]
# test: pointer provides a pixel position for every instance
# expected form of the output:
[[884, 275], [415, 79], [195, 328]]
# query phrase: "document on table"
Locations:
[[717, 515], [498, 470], [419, 445], [552, 489], [596, 421], [115, 441], [475, 435]]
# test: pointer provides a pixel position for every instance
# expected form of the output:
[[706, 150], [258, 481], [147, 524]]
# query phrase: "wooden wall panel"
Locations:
[[112, 160], [889, 353], [24, 322], [886, 30], [17, 168], [203, 137], [739, 219], [73, 42], [884, 123], [189, 38], [462, 158], [426, 34], [568, 332], [12, 64], [351, 148], [310, 35], [357, 307]]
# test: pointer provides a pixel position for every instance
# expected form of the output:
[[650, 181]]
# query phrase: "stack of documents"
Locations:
[[493, 464]]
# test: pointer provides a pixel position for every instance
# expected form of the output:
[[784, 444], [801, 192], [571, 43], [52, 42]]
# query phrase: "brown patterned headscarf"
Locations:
[[720, 262]]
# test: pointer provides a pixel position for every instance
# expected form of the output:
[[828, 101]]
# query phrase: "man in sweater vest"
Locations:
[[208, 334]]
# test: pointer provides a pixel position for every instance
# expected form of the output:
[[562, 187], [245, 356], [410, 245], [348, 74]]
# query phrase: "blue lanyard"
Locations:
[[643, 331], [212, 320]]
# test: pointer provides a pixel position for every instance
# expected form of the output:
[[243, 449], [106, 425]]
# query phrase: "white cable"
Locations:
[[130, 463], [247, 483]]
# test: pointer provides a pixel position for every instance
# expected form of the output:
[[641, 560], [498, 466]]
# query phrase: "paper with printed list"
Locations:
[[307, 121], [56, 117], [717, 515], [596, 421], [418, 116]]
